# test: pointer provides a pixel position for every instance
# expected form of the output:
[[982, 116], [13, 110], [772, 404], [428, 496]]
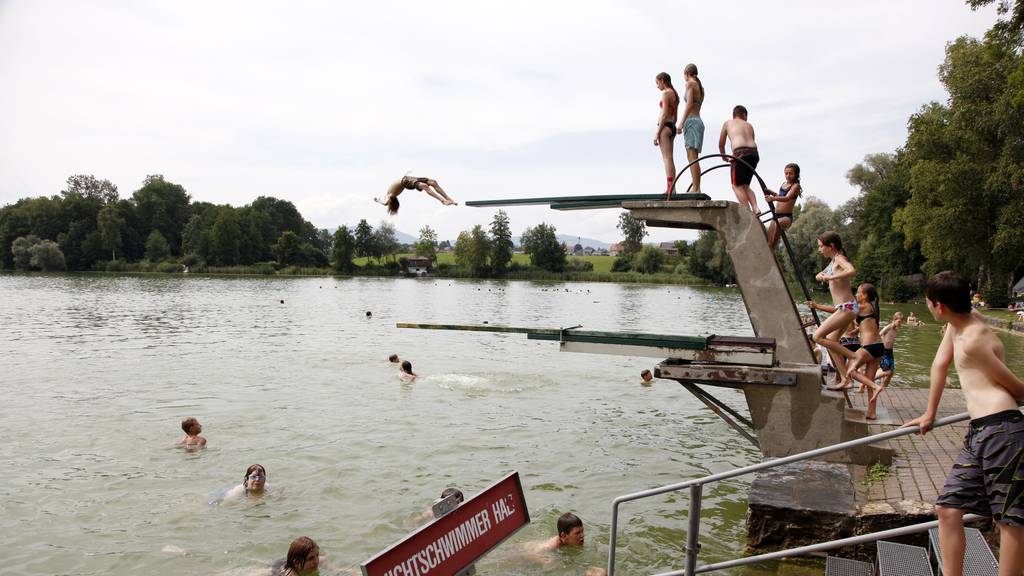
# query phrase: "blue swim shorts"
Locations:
[[693, 133]]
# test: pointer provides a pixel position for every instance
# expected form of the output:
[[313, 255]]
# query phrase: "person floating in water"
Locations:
[[254, 483], [394, 359], [405, 372], [428, 185], [665, 137], [570, 533], [741, 137], [987, 477], [784, 202], [192, 439], [690, 124]]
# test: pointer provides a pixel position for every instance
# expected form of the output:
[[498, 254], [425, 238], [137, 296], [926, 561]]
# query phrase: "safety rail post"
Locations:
[[693, 535]]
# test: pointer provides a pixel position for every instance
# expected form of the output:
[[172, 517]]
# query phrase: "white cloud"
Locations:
[[325, 103]]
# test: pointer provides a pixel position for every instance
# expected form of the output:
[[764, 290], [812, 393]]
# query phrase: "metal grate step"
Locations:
[[902, 560], [978, 557], [835, 566]]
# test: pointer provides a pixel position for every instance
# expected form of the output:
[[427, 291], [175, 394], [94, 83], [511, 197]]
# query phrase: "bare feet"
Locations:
[[875, 393], [871, 417], [449, 202]]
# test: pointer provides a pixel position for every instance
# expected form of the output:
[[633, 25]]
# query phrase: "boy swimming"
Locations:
[[192, 439]]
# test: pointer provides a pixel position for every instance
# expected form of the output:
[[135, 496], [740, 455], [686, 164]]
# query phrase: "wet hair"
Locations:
[[568, 521], [664, 77], [691, 69], [453, 492], [645, 372], [251, 469], [407, 367], [739, 110], [298, 552], [831, 238], [872, 294], [897, 315], [188, 423], [392, 205], [950, 289], [393, 358], [796, 168]]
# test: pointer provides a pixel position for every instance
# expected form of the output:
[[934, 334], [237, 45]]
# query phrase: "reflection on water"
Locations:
[[289, 373]]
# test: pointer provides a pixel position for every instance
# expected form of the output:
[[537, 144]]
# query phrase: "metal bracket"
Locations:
[[562, 331]]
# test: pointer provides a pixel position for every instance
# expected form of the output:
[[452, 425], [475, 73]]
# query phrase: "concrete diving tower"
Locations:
[[788, 419]]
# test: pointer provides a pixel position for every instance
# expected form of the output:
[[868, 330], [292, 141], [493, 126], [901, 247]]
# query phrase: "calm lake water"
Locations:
[[98, 371]]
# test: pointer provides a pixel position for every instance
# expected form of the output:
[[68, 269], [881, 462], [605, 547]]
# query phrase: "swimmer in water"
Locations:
[[192, 439], [303, 559], [406, 372], [646, 377], [428, 185], [254, 484], [394, 359], [570, 533]]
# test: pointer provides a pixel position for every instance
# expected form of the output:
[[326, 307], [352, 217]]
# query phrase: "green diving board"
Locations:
[[581, 202], [717, 349]]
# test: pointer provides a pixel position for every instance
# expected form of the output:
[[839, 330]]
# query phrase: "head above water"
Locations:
[[739, 111], [191, 426], [303, 556], [453, 492], [646, 375], [407, 367], [570, 529], [393, 358], [255, 477], [949, 289]]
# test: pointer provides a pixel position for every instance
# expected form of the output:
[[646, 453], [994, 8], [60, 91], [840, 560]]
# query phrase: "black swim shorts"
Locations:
[[741, 173], [988, 475]]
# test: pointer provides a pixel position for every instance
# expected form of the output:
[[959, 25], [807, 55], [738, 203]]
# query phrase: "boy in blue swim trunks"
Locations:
[[988, 475], [888, 365]]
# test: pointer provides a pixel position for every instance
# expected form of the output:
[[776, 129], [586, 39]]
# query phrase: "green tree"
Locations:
[[109, 222], [88, 186], [385, 242], [545, 251], [472, 249], [649, 260], [225, 238], [21, 248], [501, 243], [811, 219], [426, 246], [364, 239], [709, 259], [343, 250], [157, 248], [196, 237], [163, 206], [288, 249], [46, 256], [633, 232]]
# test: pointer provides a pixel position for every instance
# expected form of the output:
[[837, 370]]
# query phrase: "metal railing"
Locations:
[[696, 486]]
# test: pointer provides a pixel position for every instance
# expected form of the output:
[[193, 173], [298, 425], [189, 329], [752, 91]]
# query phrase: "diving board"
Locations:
[[711, 349], [581, 202]]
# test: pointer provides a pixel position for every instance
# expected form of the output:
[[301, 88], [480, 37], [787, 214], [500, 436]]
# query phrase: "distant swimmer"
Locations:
[[785, 202], [664, 138], [428, 185], [192, 439], [741, 137], [406, 372], [394, 359], [691, 125], [428, 514], [646, 377], [254, 483]]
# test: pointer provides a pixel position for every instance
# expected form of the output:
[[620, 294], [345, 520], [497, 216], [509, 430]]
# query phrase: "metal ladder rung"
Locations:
[[978, 557], [902, 560], [836, 566]]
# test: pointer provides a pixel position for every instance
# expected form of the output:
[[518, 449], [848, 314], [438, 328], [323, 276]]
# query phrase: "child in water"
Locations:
[[192, 439], [405, 372]]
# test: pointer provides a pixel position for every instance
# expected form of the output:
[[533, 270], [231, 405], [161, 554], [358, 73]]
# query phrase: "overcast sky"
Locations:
[[324, 103]]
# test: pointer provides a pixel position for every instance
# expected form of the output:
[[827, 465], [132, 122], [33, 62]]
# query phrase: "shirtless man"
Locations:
[[570, 533], [741, 138], [192, 439], [988, 475]]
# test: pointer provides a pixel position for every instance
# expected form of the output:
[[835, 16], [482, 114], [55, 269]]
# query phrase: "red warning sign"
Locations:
[[451, 543]]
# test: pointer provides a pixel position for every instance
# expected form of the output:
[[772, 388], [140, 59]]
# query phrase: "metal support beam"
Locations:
[[712, 404]]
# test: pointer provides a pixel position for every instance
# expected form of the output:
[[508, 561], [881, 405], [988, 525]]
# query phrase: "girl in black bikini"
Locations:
[[428, 185], [784, 201], [871, 348], [666, 134]]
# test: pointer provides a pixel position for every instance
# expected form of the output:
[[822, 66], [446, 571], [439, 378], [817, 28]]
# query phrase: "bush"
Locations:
[[649, 260], [623, 263], [576, 265], [168, 267]]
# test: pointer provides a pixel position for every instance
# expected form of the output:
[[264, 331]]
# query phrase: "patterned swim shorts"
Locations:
[[988, 475]]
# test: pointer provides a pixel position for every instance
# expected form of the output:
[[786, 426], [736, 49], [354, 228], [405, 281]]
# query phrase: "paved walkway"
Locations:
[[921, 463]]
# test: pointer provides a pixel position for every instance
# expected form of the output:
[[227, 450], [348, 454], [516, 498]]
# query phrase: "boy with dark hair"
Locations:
[[741, 136], [393, 359], [646, 376], [570, 533], [988, 475], [192, 439]]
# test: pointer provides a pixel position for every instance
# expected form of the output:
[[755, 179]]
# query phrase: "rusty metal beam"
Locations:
[[726, 375]]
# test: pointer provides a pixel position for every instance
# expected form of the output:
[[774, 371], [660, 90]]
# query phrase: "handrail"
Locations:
[[696, 485], [771, 207]]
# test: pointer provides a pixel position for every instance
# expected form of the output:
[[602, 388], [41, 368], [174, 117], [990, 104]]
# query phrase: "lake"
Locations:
[[99, 371]]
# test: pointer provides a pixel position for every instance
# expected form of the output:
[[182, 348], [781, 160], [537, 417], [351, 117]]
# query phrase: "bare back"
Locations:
[[669, 106], [840, 287], [980, 359], [740, 132]]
